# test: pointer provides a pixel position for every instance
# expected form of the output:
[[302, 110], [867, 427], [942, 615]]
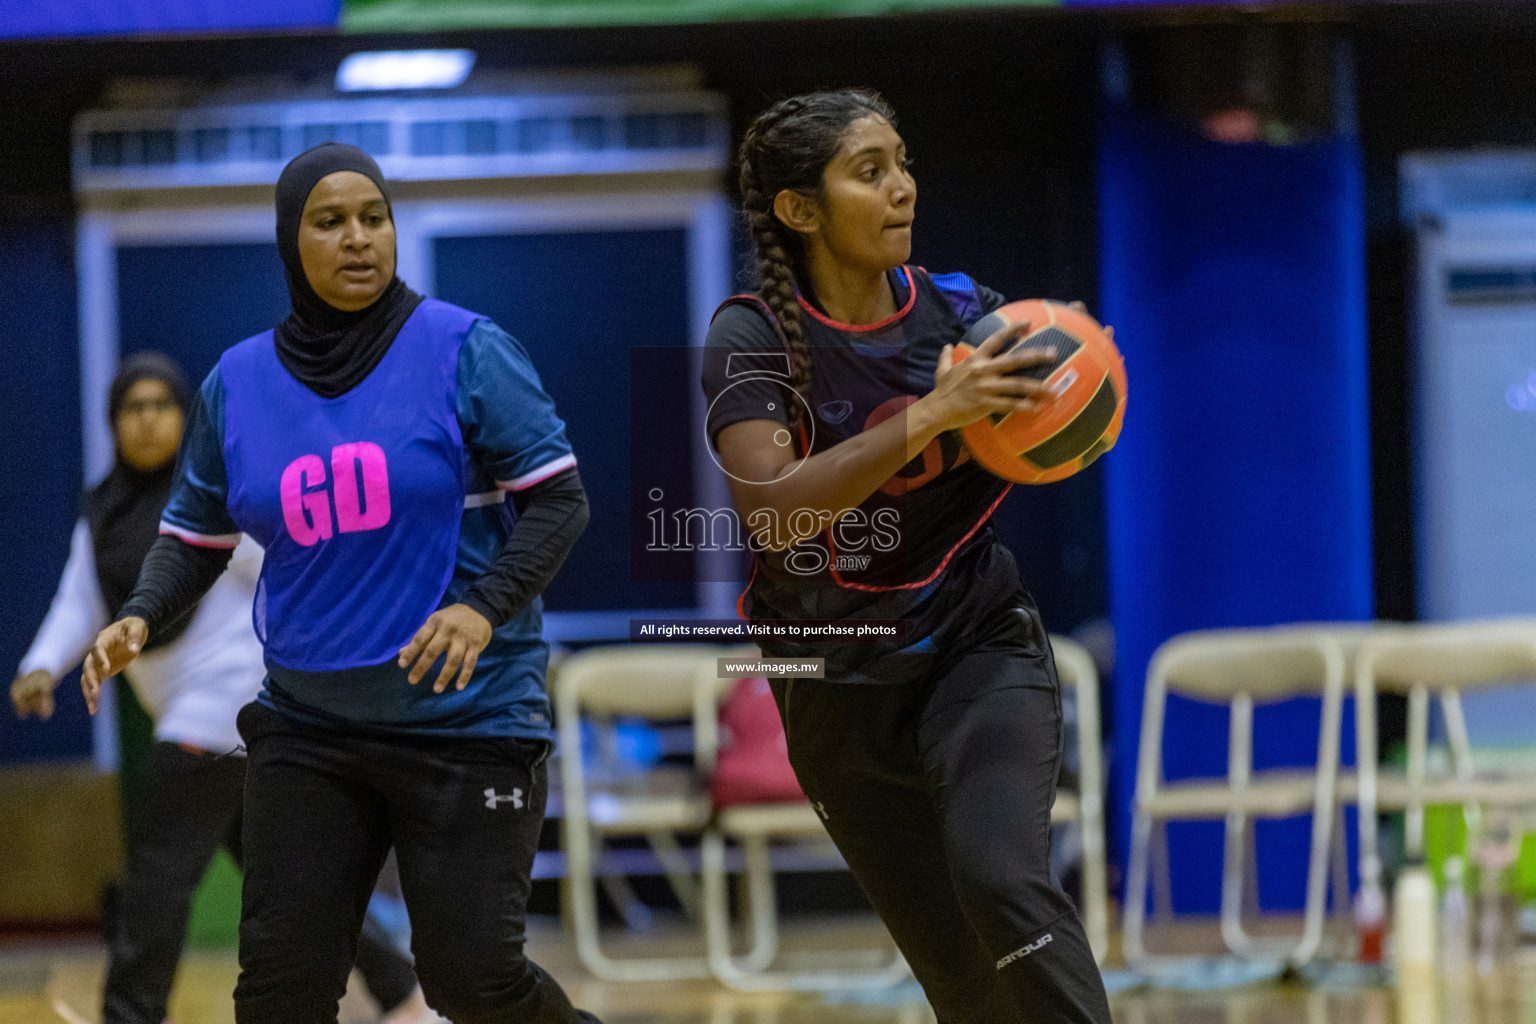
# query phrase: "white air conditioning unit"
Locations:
[[647, 124], [1474, 215], [1474, 393]]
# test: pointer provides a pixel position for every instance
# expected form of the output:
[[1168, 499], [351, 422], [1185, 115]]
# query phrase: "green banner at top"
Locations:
[[424, 15]]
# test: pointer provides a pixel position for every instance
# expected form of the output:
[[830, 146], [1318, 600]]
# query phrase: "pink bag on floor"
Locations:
[[753, 764]]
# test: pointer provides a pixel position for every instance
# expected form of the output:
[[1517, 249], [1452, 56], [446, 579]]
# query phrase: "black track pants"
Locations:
[[939, 797], [321, 811], [191, 807]]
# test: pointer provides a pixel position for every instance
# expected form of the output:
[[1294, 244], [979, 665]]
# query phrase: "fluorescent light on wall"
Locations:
[[404, 69]]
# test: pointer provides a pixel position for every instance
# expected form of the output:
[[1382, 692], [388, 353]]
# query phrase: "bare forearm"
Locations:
[[812, 493], [799, 498]]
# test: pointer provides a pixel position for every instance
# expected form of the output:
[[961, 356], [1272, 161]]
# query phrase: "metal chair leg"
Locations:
[[679, 873], [1234, 870], [637, 917], [738, 975], [582, 890], [762, 904], [1136, 885], [1095, 879]]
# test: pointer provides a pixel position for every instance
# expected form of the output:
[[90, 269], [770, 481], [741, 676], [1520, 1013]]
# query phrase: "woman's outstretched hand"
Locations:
[[115, 648], [980, 384], [460, 632], [32, 694]]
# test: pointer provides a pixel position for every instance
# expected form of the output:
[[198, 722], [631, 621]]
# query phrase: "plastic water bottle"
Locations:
[[1498, 908], [1413, 920], [1455, 924], [1370, 912]]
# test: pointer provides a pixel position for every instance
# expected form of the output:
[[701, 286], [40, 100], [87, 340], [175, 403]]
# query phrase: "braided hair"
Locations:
[[788, 146]]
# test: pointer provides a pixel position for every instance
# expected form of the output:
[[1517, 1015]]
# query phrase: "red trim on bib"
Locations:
[[860, 328], [836, 576]]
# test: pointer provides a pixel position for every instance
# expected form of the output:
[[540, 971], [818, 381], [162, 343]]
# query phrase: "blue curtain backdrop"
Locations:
[[577, 303], [1239, 494], [40, 458]]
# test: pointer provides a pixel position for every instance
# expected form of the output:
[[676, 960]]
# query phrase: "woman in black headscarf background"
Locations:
[[195, 675], [369, 443]]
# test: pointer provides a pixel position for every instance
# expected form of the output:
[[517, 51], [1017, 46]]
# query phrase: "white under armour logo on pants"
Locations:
[[491, 799]]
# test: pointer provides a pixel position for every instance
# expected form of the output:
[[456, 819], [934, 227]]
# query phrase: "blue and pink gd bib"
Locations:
[[357, 499]]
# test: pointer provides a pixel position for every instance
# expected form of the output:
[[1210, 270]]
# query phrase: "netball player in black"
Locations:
[[834, 398]]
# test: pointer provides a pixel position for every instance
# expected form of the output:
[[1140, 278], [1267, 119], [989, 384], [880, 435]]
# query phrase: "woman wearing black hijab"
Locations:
[[195, 675], [369, 443]]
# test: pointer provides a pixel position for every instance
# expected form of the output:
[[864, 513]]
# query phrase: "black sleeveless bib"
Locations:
[[921, 548]]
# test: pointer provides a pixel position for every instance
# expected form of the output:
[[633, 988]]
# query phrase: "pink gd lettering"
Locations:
[[307, 505], [307, 514], [374, 512]]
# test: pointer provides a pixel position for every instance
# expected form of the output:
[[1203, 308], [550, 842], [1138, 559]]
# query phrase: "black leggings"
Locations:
[[322, 810], [191, 807], [939, 797]]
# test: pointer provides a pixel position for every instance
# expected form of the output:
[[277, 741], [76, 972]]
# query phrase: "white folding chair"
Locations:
[[1239, 667], [1444, 660], [649, 681], [753, 827], [1075, 668]]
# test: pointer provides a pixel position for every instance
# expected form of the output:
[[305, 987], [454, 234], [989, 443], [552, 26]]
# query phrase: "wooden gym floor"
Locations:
[[46, 982]]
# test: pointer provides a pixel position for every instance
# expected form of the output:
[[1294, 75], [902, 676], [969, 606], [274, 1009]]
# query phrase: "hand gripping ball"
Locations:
[[1082, 420]]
